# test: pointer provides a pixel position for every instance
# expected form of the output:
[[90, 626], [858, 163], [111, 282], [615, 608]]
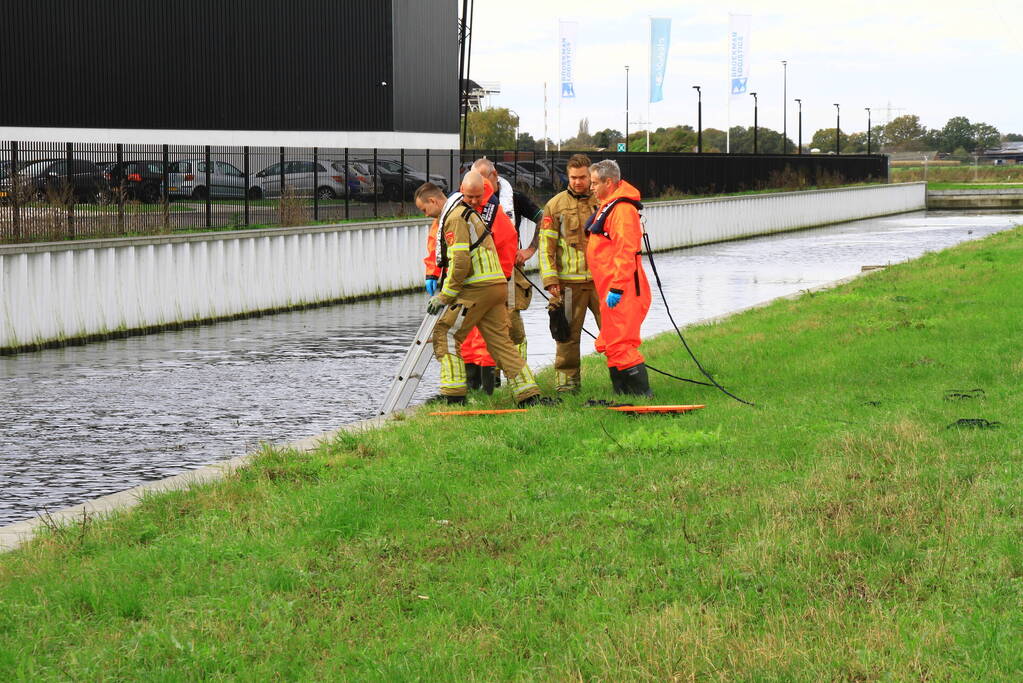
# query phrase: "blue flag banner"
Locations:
[[660, 41], [738, 60], [566, 55]]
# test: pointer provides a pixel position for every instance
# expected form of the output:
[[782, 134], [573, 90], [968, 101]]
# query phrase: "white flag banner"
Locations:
[[738, 60], [567, 31]]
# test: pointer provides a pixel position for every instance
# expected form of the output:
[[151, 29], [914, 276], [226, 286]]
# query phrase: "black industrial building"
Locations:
[[381, 66]]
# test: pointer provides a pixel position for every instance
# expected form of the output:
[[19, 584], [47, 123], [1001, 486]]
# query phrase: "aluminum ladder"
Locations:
[[412, 367]]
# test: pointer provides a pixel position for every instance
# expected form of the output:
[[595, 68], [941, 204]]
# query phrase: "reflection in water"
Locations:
[[81, 422]]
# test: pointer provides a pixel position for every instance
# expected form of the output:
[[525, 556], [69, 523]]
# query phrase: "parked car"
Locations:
[[187, 178], [301, 176], [6, 166], [51, 178], [360, 179], [138, 180], [390, 175]]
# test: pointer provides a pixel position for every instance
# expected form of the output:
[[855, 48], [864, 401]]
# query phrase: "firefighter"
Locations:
[[563, 267], [479, 365], [614, 255], [519, 288], [473, 295]]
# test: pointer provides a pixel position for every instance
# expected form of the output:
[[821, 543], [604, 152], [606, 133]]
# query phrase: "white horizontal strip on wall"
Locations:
[[238, 138], [71, 290]]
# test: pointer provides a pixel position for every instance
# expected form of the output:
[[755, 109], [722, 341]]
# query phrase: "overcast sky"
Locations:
[[932, 58]]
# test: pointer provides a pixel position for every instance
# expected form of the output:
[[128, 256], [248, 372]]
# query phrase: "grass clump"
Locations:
[[839, 531]]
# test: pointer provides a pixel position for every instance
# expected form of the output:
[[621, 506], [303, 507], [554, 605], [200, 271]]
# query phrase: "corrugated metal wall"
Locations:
[[312, 65], [425, 71]]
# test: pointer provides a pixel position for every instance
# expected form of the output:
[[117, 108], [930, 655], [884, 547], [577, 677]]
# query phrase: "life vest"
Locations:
[[595, 223], [452, 204]]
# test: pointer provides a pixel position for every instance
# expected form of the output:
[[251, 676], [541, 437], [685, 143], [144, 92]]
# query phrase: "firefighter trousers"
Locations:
[[485, 308], [578, 297]]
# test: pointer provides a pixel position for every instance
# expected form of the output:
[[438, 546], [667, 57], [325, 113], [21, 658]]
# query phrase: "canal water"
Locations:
[[81, 422]]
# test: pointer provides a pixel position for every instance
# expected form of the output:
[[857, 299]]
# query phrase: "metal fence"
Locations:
[[58, 191]]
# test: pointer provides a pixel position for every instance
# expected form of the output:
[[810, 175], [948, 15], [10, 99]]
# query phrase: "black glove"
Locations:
[[561, 331]]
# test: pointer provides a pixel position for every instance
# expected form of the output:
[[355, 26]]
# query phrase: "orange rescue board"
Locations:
[[480, 412], [645, 410]]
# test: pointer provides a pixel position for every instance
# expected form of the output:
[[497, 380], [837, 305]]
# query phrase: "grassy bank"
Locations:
[[838, 531]]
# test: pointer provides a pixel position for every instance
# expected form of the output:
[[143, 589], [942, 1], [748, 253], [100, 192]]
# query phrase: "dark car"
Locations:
[[396, 180], [52, 178], [137, 180]]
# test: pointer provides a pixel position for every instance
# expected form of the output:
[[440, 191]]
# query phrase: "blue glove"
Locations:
[[431, 285], [613, 299]]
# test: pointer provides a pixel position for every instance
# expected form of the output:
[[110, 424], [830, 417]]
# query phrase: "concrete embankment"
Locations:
[[58, 293], [975, 199]]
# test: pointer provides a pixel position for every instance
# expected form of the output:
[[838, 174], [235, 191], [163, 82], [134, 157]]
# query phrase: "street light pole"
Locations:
[[838, 129], [754, 95], [515, 146], [868, 129], [785, 107], [699, 120], [626, 107], [800, 102]]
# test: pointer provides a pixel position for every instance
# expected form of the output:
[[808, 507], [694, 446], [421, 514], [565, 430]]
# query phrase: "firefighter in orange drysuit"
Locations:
[[614, 255]]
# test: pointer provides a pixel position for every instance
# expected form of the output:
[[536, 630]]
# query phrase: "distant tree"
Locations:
[[855, 143], [905, 133], [607, 138], [491, 129], [713, 140], [674, 139], [957, 132], [985, 136], [582, 139], [824, 140], [1012, 137], [526, 141]]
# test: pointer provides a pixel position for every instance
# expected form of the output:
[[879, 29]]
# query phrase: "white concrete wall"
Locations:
[[61, 291]]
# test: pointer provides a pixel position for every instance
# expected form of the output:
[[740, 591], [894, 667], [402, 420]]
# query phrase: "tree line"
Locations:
[[496, 129]]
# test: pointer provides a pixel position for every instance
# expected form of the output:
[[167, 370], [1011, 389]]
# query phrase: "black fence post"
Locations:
[[209, 187], [69, 190], [427, 164], [316, 183], [515, 166], [347, 214], [245, 162], [376, 182], [166, 189], [401, 188], [15, 190], [280, 177], [120, 190], [451, 169]]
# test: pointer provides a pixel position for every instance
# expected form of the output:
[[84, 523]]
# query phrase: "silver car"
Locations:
[[302, 176], [187, 178]]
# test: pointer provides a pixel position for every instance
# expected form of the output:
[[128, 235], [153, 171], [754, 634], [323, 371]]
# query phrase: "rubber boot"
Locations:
[[472, 376], [455, 400], [636, 381], [488, 377], [617, 381]]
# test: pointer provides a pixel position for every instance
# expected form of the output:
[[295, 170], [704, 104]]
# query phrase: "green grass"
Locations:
[[974, 186], [838, 531]]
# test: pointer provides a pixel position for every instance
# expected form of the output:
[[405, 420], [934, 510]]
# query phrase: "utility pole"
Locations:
[[784, 107], [838, 129], [800, 102], [699, 120], [754, 95], [626, 107], [868, 129]]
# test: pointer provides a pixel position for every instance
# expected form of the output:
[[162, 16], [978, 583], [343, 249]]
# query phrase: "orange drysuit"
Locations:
[[615, 262], [474, 349]]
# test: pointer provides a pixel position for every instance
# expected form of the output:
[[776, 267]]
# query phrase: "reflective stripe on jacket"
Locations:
[[469, 266]]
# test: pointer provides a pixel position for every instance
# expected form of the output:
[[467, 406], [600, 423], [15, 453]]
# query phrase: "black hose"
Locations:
[[657, 279], [592, 336]]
